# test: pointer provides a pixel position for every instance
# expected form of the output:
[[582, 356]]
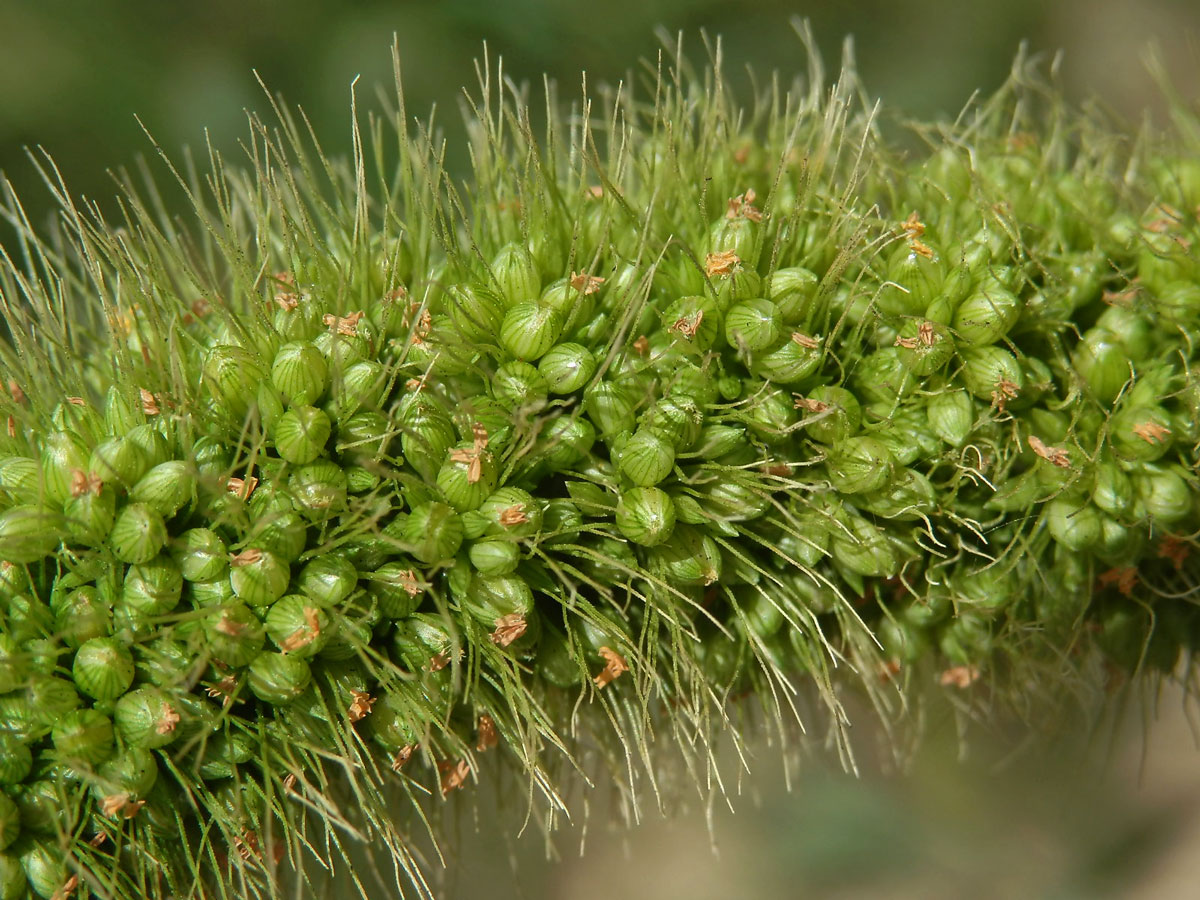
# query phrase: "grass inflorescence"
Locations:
[[678, 417]]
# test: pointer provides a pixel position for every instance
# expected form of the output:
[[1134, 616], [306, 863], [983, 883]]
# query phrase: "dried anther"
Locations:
[[119, 805], [726, 262], [1125, 579], [360, 705], [740, 207], [689, 324], [223, 689], [1053, 455], [508, 629], [1151, 432], [959, 676], [289, 782], [913, 226], [513, 515], [920, 248], [247, 845], [595, 190], [168, 721], [242, 488], [813, 406], [486, 736], [149, 402], [808, 343], [642, 345], [85, 482], [15, 391], [614, 665], [347, 324], [403, 755], [454, 774], [1005, 391], [246, 557], [473, 457], [67, 889], [408, 581], [586, 284], [1174, 549], [77, 401], [305, 634], [439, 661]]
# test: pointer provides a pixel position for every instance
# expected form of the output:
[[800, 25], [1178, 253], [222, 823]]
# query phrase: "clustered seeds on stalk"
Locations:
[[361, 479]]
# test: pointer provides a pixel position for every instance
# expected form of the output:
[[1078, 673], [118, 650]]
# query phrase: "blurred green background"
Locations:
[[74, 75]]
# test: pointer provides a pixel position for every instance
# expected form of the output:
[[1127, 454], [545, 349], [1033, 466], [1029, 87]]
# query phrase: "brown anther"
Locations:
[[486, 735], [926, 334], [1022, 140], [471, 457], [242, 488], [305, 634], [726, 262], [689, 324], [200, 307], [247, 845], [454, 774], [403, 755], [15, 391], [779, 470], [11, 427], [289, 782], [1151, 432], [908, 343], [347, 324], [1005, 391], [422, 328], [77, 401], [439, 661], [246, 557], [67, 889], [813, 406], [889, 669], [1119, 298], [740, 207], [642, 345], [1124, 578], [113, 804], [512, 515], [288, 300], [508, 629], [413, 385], [360, 705], [805, 341], [614, 665], [959, 676], [84, 482], [285, 278], [1174, 549], [913, 226], [595, 190], [98, 839], [408, 581], [169, 719], [741, 155], [227, 626], [586, 284], [223, 689], [920, 248], [1054, 455], [149, 402], [396, 295]]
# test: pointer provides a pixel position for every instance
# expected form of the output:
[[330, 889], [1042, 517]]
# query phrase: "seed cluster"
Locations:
[[716, 424]]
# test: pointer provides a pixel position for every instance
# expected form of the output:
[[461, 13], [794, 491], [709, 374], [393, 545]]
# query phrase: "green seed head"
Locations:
[[328, 580], [16, 760], [859, 465], [103, 668], [298, 626], [753, 325], [494, 556], [610, 408], [278, 678], [467, 476], [258, 577], [63, 454], [83, 736], [567, 368], [516, 275], [300, 373], [646, 459], [319, 489], [646, 515], [166, 488], [138, 534], [233, 634], [985, 316], [301, 434], [147, 718], [397, 588], [518, 384], [529, 330], [793, 291], [434, 531], [154, 587], [201, 555]]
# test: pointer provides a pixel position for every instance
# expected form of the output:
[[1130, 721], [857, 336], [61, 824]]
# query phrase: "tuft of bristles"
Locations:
[[677, 420]]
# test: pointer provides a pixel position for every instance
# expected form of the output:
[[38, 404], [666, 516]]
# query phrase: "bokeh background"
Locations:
[[1110, 813]]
